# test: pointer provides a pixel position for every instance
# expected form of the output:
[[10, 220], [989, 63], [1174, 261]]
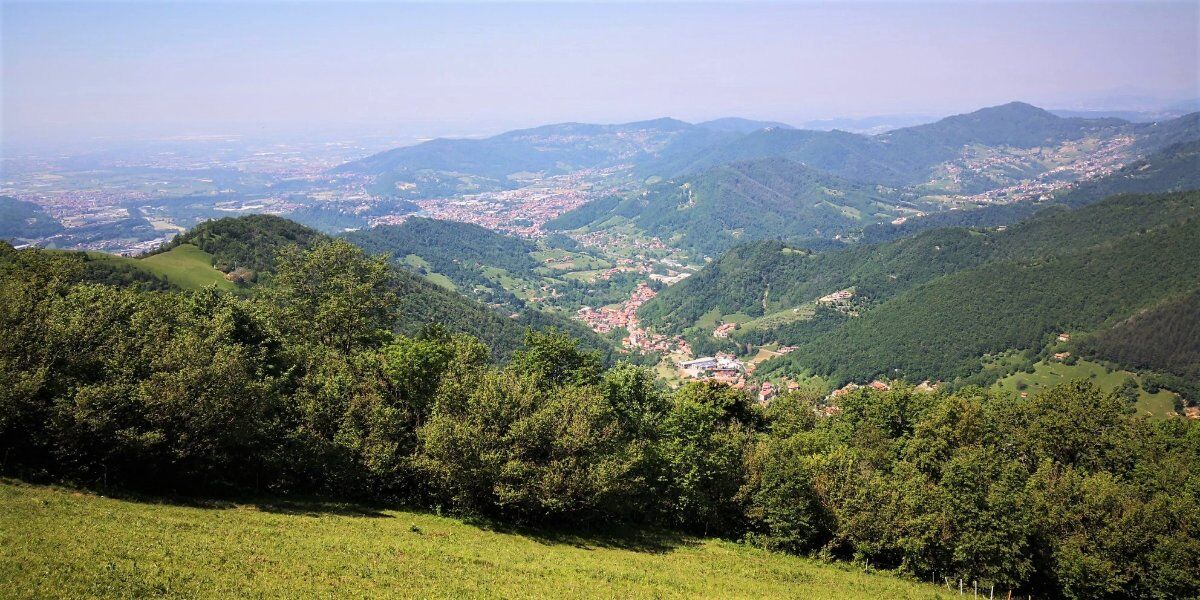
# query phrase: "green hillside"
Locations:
[[761, 199], [1047, 374], [55, 543], [940, 329], [1165, 338], [932, 306], [1174, 168], [475, 260], [186, 266], [254, 242], [785, 276], [249, 242], [25, 220]]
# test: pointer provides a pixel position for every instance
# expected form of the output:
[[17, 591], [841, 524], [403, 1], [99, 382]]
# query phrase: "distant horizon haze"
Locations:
[[79, 71]]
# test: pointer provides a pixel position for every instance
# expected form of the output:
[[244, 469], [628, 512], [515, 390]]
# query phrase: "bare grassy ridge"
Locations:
[[57, 543]]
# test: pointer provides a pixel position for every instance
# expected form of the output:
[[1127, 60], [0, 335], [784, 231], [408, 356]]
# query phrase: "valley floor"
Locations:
[[59, 543]]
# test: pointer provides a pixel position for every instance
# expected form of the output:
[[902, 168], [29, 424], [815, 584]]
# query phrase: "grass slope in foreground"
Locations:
[[56, 543]]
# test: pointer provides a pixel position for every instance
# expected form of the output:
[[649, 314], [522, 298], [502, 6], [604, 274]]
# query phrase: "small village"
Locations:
[[624, 316]]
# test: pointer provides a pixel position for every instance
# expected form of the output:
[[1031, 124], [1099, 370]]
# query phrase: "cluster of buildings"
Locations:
[[722, 367], [876, 385], [607, 318], [838, 296], [1079, 163], [522, 211], [724, 330]]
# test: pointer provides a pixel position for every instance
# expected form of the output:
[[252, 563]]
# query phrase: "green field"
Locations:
[[417, 262], [186, 266], [1046, 374], [57, 543], [803, 312]]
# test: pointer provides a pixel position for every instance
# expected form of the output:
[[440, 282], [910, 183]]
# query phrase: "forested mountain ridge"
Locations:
[[25, 220], [443, 166], [943, 328], [1017, 124], [671, 148], [787, 277], [255, 243], [934, 305], [469, 256], [905, 156], [1008, 159], [718, 207], [1164, 338]]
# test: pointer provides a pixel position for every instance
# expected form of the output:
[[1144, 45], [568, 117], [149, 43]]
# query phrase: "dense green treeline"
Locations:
[[302, 387]]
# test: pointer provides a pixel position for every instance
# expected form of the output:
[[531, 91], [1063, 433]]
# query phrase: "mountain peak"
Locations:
[[1016, 108], [740, 125]]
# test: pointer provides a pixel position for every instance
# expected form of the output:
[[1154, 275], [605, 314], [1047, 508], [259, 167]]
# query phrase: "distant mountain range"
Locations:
[[445, 167], [710, 185], [566, 146], [903, 174]]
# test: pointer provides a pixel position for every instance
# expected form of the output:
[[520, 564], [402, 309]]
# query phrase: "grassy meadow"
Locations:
[[1049, 374], [61, 543], [186, 266]]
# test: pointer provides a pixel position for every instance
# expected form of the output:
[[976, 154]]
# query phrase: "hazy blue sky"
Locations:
[[101, 68]]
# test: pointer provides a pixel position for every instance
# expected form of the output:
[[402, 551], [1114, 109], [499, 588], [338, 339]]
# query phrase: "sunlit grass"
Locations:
[[57, 543]]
